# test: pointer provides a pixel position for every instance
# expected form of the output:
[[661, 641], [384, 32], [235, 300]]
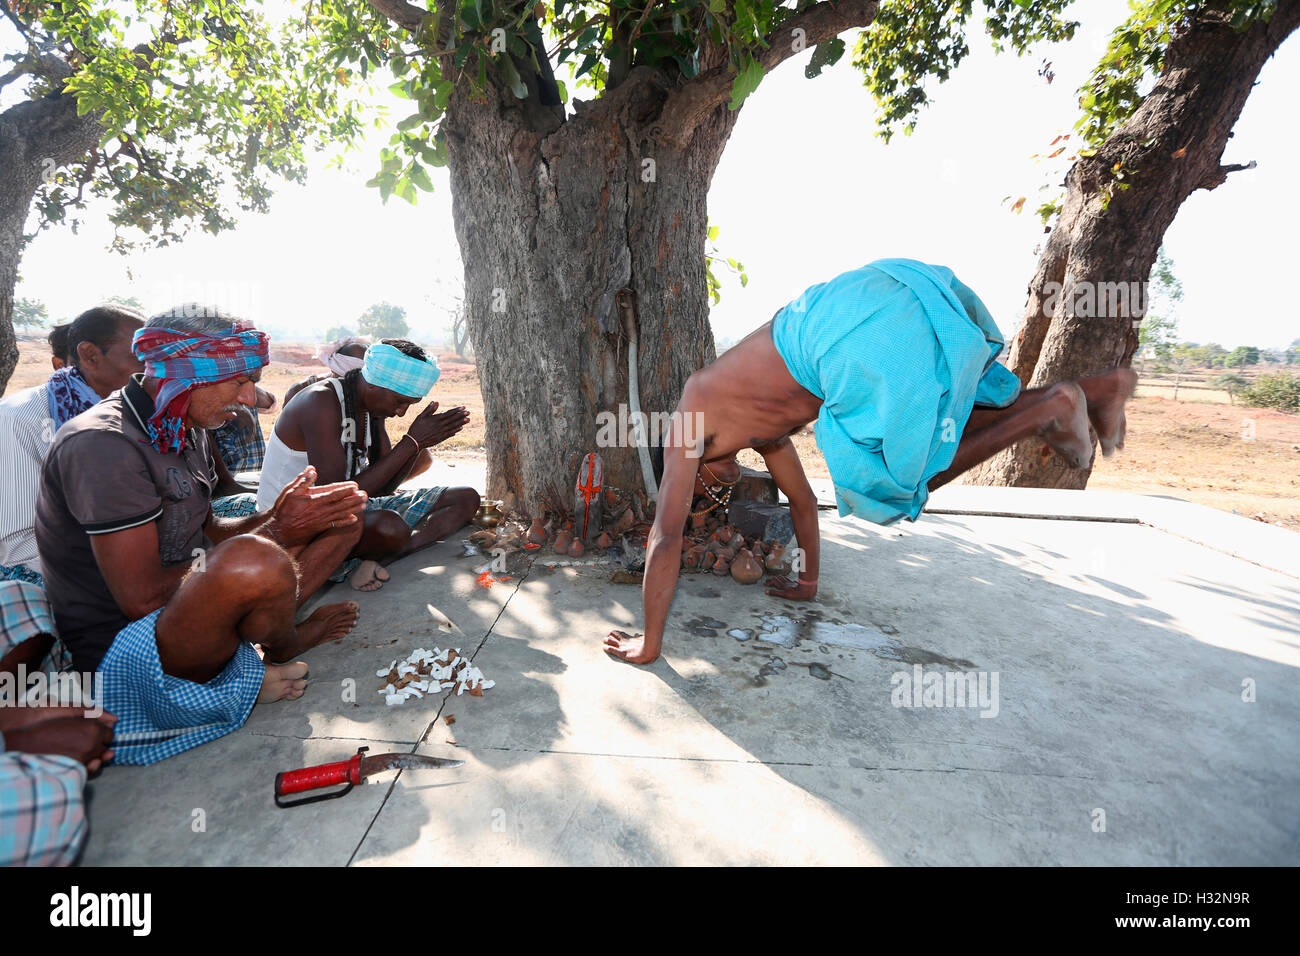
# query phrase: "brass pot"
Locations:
[[489, 514]]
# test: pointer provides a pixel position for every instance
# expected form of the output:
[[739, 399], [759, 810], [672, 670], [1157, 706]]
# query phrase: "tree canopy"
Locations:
[[201, 105]]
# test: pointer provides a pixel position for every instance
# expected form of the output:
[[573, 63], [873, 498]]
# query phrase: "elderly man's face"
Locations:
[[211, 406]]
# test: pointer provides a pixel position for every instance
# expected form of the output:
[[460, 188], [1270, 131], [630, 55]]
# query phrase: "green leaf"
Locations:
[[420, 176], [827, 53], [746, 82]]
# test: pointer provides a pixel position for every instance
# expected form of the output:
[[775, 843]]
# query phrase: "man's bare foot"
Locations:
[[283, 682], [369, 576], [328, 623], [1107, 395], [630, 648], [1068, 433]]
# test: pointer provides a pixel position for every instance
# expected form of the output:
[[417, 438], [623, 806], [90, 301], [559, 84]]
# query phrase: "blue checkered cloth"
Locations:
[[899, 352], [412, 506], [159, 716], [242, 448], [234, 506], [25, 612], [390, 368], [42, 812]]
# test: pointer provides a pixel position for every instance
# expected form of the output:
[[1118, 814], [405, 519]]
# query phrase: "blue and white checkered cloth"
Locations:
[[42, 813], [899, 352], [159, 716], [24, 613], [390, 368], [242, 449]]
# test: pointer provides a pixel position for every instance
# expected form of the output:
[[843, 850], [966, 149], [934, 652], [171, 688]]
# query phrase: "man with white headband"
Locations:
[[164, 601], [337, 427]]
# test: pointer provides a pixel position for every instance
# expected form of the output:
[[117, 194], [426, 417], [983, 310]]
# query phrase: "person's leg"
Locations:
[[1106, 395], [387, 537], [1059, 415], [321, 556], [246, 592], [453, 510]]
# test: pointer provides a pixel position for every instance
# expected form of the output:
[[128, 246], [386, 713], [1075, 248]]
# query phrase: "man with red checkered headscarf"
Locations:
[[160, 598]]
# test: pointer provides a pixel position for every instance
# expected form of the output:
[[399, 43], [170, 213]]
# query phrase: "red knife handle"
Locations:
[[313, 778]]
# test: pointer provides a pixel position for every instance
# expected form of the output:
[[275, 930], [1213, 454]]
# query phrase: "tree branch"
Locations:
[[405, 15], [691, 103]]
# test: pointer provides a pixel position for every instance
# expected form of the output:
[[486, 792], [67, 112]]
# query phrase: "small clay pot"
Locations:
[[725, 534], [604, 541], [745, 569], [563, 540], [537, 533], [706, 561], [691, 560], [697, 522], [722, 566], [757, 549], [576, 550]]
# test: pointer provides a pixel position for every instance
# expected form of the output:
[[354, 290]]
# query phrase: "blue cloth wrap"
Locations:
[[899, 352]]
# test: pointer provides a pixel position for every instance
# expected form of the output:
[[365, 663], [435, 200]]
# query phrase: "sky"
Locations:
[[804, 191]]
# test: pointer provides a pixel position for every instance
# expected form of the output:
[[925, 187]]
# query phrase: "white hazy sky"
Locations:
[[804, 191]]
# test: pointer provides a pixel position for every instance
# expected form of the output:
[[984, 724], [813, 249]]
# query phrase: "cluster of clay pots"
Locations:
[[726, 551]]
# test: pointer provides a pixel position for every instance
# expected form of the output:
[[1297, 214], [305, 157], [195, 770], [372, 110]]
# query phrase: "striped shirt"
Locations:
[[26, 434]]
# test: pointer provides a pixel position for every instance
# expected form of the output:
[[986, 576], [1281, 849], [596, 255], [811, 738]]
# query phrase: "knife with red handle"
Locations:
[[349, 773]]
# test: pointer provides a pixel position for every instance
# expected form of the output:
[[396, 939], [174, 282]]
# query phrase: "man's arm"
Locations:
[[787, 471], [663, 557], [129, 561]]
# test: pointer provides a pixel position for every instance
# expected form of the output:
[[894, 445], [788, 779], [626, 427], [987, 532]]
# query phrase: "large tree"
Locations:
[[1143, 156], [174, 114], [582, 222]]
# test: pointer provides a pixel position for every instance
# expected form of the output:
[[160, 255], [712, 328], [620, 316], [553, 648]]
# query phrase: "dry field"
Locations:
[[1234, 458]]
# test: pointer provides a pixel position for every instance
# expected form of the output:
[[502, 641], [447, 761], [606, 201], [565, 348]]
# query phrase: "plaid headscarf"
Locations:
[[68, 395], [390, 368], [183, 360]]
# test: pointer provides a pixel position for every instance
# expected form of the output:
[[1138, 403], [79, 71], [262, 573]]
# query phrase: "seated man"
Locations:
[[340, 357], [98, 342], [891, 361], [337, 427], [149, 588], [46, 752], [238, 446], [58, 339]]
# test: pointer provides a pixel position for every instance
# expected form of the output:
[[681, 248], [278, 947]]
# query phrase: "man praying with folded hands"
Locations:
[[168, 602]]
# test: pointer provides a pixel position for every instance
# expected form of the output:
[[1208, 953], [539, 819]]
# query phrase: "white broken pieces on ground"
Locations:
[[425, 672]]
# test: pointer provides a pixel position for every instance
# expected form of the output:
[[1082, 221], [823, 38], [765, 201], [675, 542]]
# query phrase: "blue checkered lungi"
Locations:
[[159, 716], [242, 449], [25, 612]]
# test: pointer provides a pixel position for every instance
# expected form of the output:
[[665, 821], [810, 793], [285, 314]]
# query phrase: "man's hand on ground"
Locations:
[[782, 587], [432, 427], [302, 512], [630, 648], [84, 739]]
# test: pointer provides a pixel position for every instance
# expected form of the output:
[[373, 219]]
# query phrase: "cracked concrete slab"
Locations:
[[1139, 691]]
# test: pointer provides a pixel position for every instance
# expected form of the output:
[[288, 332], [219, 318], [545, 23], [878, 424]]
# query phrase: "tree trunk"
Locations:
[[554, 219], [1171, 146], [36, 137]]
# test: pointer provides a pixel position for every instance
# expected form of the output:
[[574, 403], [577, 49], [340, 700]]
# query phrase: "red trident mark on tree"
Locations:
[[590, 489]]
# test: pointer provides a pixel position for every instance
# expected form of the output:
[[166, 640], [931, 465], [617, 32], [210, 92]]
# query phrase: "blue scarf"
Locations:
[[69, 395]]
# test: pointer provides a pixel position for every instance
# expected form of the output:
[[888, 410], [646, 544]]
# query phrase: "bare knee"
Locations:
[[464, 502], [251, 563], [386, 533]]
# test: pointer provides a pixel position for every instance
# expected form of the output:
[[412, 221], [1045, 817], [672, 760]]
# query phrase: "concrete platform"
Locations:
[[1145, 711]]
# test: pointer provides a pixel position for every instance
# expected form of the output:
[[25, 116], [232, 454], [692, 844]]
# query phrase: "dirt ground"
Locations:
[[1233, 458]]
